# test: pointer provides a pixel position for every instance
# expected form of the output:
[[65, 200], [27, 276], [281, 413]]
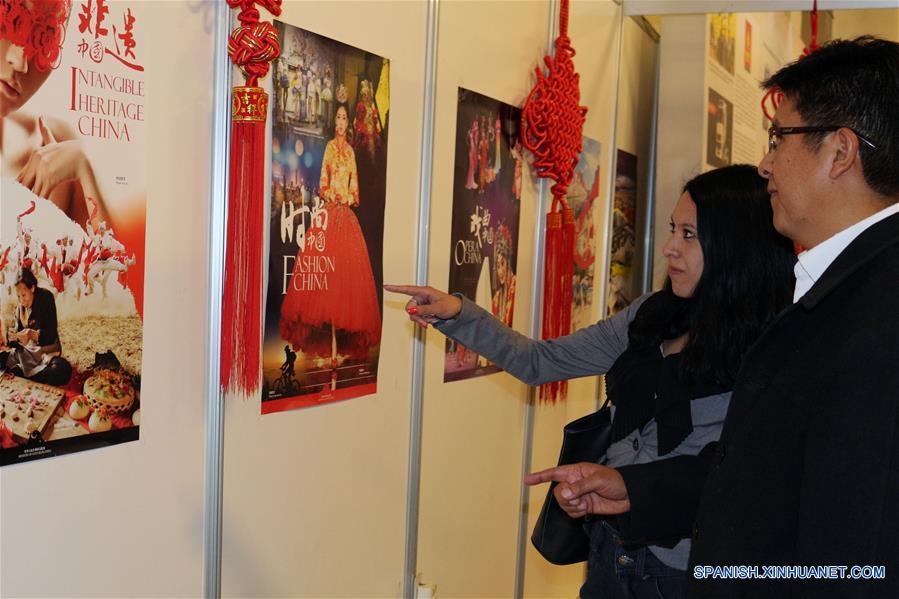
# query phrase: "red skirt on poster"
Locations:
[[332, 285]]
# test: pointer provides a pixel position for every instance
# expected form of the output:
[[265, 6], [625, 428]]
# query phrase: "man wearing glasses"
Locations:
[[807, 469]]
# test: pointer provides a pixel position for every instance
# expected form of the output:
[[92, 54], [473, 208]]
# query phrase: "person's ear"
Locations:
[[845, 146]]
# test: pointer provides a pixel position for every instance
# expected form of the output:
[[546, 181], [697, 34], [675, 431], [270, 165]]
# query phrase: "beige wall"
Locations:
[[852, 23], [636, 102], [473, 430]]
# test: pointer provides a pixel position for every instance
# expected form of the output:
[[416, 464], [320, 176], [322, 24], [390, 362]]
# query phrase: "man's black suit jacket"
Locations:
[[807, 469]]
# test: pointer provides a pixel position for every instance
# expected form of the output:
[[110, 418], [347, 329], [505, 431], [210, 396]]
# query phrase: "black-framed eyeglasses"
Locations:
[[776, 133]]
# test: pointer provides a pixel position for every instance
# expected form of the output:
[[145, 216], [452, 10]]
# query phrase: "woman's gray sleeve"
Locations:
[[589, 351]]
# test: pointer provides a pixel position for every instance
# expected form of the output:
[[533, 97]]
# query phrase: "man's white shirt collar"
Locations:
[[812, 263]]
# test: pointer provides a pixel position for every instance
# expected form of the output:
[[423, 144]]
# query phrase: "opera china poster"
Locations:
[[487, 182], [330, 122], [73, 129]]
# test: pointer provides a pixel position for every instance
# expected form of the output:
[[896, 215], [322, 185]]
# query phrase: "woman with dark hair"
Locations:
[[670, 360], [33, 340]]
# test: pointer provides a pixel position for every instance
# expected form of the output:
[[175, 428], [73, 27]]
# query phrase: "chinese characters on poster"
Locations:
[[330, 117], [72, 231], [487, 181]]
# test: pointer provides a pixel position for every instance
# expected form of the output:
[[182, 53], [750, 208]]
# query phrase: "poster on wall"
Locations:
[[73, 132], [720, 130], [330, 117], [624, 223], [722, 40], [582, 195], [487, 182], [747, 47]]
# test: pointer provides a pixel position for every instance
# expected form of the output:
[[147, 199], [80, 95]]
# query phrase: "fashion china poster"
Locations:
[[330, 121], [73, 146], [487, 183]]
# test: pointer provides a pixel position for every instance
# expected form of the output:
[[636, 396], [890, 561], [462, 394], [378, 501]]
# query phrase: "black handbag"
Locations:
[[558, 537]]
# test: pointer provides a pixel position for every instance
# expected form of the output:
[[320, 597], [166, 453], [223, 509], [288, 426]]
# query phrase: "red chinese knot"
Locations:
[[254, 44], [552, 123], [553, 119]]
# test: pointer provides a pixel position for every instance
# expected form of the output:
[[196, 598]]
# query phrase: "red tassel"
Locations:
[[566, 274], [242, 299], [551, 291], [552, 123], [251, 46], [558, 275]]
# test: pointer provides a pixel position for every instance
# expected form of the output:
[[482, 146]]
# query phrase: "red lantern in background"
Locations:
[[251, 46], [552, 124]]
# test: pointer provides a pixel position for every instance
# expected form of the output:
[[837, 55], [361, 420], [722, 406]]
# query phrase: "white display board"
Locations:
[[128, 520], [473, 430], [315, 499], [695, 83]]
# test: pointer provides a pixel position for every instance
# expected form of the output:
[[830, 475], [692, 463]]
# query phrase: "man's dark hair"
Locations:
[[851, 83]]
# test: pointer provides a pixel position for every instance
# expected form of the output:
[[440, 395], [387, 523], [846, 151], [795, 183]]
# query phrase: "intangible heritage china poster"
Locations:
[[487, 181], [330, 117], [582, 195], [73, 134], [624, 223]]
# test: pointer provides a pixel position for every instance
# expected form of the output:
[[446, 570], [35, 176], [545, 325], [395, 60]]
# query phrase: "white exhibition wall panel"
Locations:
[[594, 31], [636, 96], [711, 85], [681, 111], [315, 498], [127, 520], [473, 429]]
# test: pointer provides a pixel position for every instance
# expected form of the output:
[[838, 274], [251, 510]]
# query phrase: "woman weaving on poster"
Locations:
[[42, 154], [337, 314], [32, 349]]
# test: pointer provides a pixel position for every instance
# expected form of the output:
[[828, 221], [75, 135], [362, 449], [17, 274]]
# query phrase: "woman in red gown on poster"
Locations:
[[331, 304]]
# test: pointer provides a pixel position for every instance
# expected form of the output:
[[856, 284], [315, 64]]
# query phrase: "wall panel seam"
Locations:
[[221, 91], [413, 490], [536, 328]]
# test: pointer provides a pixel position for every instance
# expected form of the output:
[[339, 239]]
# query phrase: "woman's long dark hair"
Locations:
[[747, 275]]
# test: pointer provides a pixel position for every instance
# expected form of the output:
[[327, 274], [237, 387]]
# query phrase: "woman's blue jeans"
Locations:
[[614, 572]]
